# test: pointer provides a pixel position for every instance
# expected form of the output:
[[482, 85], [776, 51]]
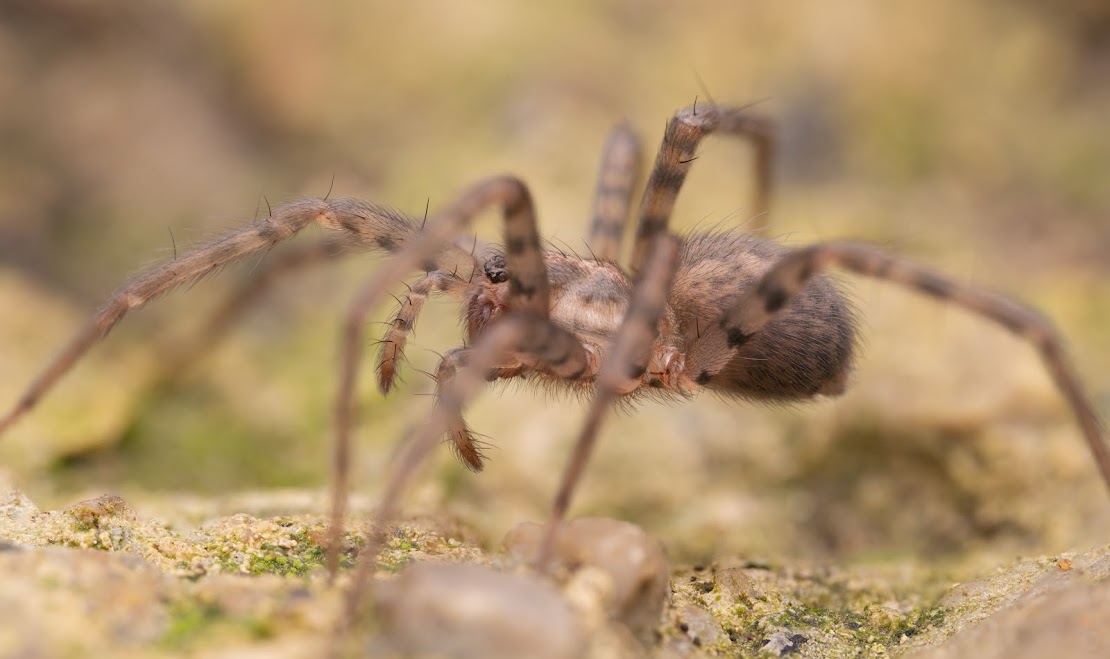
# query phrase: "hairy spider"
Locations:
[[724, 311]]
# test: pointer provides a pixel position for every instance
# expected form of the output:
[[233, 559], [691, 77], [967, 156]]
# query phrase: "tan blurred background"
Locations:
[[971, 136]]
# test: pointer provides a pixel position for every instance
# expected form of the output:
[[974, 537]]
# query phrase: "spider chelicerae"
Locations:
[[724, 311]]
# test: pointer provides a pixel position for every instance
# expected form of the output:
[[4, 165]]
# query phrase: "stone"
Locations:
[[632, 559], [458, 610]]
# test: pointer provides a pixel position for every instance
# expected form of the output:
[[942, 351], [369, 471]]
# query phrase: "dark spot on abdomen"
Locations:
[[774, 299], [737, 337]]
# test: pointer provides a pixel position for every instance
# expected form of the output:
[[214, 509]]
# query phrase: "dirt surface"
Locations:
[[96, 579]]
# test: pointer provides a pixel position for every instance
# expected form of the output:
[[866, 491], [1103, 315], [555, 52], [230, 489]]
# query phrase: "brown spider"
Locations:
[[724, 311]]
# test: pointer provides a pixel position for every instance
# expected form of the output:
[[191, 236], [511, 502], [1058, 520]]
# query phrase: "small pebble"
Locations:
[[462, 610], [700, 625], [90, 512], [733, 582], [634, 561], [782, 643]]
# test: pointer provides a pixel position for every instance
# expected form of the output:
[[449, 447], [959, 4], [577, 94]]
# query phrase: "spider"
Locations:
[[723, 311]]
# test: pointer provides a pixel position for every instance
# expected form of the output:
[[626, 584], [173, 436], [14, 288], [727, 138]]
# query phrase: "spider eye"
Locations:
[[495, 269]]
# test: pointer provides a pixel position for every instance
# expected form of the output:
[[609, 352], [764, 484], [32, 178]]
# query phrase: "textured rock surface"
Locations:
[[633, 568], [455, 610], [97, 578]]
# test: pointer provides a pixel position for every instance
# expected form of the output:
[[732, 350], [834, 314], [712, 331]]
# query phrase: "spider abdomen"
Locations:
[[805, 350]]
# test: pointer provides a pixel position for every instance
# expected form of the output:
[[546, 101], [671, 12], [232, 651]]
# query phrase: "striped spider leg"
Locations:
[[357, 223]]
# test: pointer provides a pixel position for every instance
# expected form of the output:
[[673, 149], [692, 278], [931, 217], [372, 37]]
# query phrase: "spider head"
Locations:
[[494, 268], [487, 302]]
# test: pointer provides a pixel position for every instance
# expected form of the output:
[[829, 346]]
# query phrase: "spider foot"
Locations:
[[469, 450]]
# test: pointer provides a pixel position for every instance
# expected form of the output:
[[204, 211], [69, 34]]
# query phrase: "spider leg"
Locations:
[[491, 349], [549, 350], [181, 355], [758, 305], [528, 293], [459, 434], [627, 358], [620, 162], [529, 289], [463, 444], [515, 335], [361, 222], [393, 343], [684, 132]]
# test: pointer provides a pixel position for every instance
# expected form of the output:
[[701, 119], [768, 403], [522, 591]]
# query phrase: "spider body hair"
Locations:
[[806, 350]]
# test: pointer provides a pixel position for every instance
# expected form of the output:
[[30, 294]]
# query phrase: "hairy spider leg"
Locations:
[[616, 180], [182, 354], [403, 322], [758, 305], [528, 293], [626, 359], [516, 335], [678, 151], [361, 222]]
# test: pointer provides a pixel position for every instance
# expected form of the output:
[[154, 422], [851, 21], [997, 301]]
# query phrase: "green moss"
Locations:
[[841, 614], [292, 561], [277, 564], [399, 549], [259, 629], [189, 619], [875, 624], [299, 559], [925, 619]]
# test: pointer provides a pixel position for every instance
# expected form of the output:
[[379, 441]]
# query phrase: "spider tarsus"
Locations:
[[467, 449], [387, 372]]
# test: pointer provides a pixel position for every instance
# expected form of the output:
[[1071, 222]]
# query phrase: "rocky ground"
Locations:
[[97, 579]]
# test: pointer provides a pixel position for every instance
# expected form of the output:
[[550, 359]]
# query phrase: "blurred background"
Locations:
[[970, 136]]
